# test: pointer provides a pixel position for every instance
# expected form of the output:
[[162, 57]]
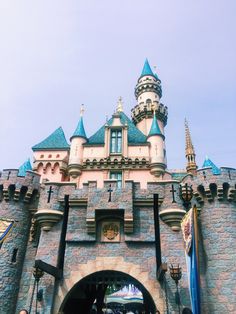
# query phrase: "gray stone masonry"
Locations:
[[19, 198], [132, 207]]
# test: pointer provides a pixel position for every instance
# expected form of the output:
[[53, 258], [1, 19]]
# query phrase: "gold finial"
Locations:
[[82, 110], [119, 105], [189, 150]]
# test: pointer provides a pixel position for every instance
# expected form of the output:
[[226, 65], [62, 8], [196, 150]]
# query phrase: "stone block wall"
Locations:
[[18, 198], [134, 253]]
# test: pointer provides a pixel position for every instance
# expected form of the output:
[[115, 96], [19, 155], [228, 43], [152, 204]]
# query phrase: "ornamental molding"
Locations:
[[116, 162]]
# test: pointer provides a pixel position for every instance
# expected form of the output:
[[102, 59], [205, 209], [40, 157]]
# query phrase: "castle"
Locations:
[[84, 214]]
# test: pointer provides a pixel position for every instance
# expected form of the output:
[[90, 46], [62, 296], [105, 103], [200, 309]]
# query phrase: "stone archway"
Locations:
[[82, 296], [150, 286]]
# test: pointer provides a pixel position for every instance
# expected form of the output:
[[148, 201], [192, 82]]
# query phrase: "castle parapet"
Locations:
[[14, 188], [210, 187]]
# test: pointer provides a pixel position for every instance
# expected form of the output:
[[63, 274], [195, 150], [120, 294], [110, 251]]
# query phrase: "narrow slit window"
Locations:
[[14, 255]]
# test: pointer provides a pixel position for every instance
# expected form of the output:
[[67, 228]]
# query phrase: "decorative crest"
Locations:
[[186, 226]]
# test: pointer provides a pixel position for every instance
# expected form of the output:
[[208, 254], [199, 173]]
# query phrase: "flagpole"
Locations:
[[196, 234]]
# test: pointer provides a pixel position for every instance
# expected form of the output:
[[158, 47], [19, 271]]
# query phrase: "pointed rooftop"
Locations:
[[209, 164], [146, 69], [135, 136], [23, 168], [80, 131], [55, 141], [155, 129], [189, 149]]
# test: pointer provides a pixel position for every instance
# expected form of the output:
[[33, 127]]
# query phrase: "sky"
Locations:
[[56, 55]]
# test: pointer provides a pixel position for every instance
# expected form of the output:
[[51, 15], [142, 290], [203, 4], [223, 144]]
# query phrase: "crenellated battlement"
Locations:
[[146, 109], [210, 187], [14, 188]]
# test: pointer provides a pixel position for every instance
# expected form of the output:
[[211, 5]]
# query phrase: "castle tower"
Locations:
[[148, 93], [157, 149], [189, 151], [76, 150], [18, 201]]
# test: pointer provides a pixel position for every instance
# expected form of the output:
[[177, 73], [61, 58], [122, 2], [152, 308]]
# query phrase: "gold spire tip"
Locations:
[[119, 105], [82, 110]]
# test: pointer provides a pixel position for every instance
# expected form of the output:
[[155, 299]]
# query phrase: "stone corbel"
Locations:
[[91, 225], [128, 224], [172, 217], [47, 218]]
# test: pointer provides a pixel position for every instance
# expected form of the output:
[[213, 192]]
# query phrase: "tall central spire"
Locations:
[[189, 151]]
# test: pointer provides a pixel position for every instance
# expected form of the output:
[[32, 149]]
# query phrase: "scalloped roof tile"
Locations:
[[80, 131], [209, 164], [23, 168], [135, 136], [146, 69], [55, 141], [155, 129]]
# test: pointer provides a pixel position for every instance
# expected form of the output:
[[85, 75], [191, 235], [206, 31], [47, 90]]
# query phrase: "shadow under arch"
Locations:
[[81, 297]]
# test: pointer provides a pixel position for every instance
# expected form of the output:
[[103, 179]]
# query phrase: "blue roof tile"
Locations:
[[23, 168], [209, 164], [55, 141], [135, 136], [79, 131], [146, 69], [155, 129]]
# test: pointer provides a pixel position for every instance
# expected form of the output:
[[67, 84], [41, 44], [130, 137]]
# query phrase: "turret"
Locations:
[[157, 149], [76, 150], [148, 93], [18, 200], [189, 151]]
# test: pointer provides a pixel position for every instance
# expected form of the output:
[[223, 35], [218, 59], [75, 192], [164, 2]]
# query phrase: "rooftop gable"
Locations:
[[135, 136]]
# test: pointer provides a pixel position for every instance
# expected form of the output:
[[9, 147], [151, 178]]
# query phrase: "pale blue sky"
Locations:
[[56, 55]]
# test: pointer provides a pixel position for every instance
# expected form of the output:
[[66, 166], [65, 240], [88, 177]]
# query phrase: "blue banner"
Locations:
[[190, 234]]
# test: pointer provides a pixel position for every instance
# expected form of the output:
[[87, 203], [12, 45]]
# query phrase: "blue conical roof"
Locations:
[[146, 69], [155, 129], [209, 164], [23, 168], [55, 141], [79, 131]]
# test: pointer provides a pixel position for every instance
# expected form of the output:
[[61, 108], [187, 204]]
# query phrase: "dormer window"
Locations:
[[116, 141]]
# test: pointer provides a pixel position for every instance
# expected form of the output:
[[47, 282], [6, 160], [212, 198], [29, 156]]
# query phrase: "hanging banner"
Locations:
[[189, 228], [5, 228]]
